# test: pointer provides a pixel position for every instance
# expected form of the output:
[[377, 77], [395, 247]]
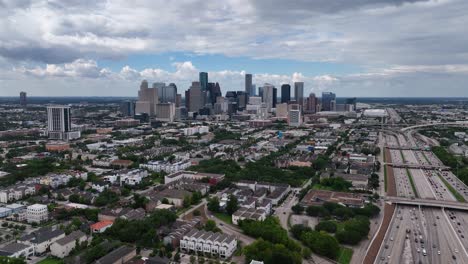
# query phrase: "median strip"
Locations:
[[457, 195], [412, 182]]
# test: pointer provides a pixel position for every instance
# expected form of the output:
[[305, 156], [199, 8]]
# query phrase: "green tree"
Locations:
[[232, 205], [213, 204]]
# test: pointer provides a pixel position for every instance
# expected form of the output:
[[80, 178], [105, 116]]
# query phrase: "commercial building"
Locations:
[[299, 93], [23, 99], [248, 84], [195, 97], [167, 94], [147, 99], [294, 117], [127, 108], [267, 96], [59, 123], [285, 93], [165, 112], [203, 80], [37, 213], [328, 101], [312, 104]]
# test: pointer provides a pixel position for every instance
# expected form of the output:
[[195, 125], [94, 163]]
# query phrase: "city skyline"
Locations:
[[99, 48]]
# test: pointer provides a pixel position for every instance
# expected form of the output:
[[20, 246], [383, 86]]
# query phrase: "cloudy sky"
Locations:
[[358, 48]]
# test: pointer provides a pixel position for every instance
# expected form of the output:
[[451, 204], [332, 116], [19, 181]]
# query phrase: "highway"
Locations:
[[424, 234]]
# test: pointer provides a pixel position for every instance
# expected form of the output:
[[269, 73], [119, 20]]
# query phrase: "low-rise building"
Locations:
[[248, 213], [118, 256], [101, 226], [216, 244], [37, 213], [62, 247], [17, 250], [318, 197], [42, 239]]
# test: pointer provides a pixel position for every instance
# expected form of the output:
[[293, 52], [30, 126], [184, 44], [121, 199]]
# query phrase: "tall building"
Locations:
[[248, 84], [196, 99], [147, 98], [167, 94], [260, 92], [312, 103], [127, 108], [178, 101], [299, 92], [253, 90], [275, 96], [282, 110], [204, 81], [214, 91], [285, 93], [328, 101], [267, 96], [23, 99], [242, 99], [165, 112], [294, 117], [59, 123]]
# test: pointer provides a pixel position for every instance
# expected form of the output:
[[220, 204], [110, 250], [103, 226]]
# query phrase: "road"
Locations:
[[424, 235]]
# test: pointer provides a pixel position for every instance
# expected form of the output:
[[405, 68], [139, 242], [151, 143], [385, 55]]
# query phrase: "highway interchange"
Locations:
[[421, 234]]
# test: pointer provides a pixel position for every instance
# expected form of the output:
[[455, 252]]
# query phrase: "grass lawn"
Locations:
[[223, 217], [51, 260], [345, 255], [412, 182], [457, 196]]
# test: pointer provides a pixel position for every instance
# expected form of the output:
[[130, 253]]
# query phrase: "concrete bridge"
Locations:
[[427, 203]]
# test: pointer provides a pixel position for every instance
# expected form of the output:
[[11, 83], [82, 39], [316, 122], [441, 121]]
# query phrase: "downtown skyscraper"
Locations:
[[203, 79], [299, 93], [248, 85], [285, 93]]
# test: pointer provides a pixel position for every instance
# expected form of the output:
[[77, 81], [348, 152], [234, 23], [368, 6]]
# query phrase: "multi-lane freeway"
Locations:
[[423, 234]]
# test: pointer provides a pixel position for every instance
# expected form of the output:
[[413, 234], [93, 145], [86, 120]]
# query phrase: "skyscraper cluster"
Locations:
[[204, 98]]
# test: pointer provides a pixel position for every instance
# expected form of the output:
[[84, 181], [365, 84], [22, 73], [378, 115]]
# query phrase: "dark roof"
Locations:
[[71, 237], [41, 235], [12, 248], [157, 260], [115, 255]]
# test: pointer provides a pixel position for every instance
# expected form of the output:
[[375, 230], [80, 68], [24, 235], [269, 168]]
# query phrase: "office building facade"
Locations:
[[59, 123], [285, 93]]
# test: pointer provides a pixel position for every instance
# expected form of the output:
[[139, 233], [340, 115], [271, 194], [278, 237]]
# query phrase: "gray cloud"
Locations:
[[424, 36]]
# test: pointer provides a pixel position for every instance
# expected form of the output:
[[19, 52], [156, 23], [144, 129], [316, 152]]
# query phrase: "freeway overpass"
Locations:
[[427, 202], [458, 123], [419, 166]]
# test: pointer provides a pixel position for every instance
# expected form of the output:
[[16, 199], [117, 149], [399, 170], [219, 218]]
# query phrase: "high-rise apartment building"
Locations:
[[204, 81], [328, 101], [147, 98], [285, 93], [248, 84], [299, 92], [23, 99], [59, 123]]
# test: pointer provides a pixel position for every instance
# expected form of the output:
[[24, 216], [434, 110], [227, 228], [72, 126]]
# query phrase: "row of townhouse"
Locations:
[[167, 166], [215, 244], [126, 177], [17, 192], [43, 240]]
